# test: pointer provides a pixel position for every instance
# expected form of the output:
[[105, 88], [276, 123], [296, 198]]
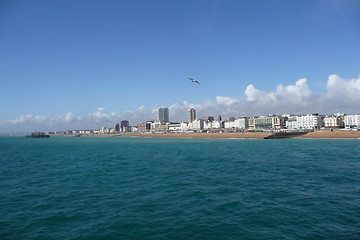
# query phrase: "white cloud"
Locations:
[[253, 94], [69, 117], [343, 95], [349, 88], [298, 93], [227, 101]]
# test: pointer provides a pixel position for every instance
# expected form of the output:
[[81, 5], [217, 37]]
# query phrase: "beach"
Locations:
[[336, 134], [332, 134], [245, 135]]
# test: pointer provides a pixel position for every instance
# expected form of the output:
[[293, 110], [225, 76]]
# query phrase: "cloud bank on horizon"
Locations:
[[342, 95]]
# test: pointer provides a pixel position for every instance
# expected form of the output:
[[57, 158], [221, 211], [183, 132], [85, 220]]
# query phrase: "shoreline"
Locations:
[[320, 134]]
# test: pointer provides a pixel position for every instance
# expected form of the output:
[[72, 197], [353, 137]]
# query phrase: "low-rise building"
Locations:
[[89, 132], [159, 126], [236, 123], [310, 121], [174, 127], [215, 124], [218, 124], [290, 121], [197, 124], [352, 121], [105, 130], [134, 129], [144, 127], [292, 124], [333, 121], [266, 122], [184, 126]]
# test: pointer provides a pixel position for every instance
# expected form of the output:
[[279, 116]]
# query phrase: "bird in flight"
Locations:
[[194, 81]]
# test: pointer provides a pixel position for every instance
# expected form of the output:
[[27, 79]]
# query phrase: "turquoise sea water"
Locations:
[[143, 188]]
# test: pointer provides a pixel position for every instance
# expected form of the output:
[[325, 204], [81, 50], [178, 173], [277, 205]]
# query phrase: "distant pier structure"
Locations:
[[37, 135]]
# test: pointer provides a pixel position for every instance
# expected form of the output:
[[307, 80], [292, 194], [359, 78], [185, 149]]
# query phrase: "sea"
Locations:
[[179, 188]]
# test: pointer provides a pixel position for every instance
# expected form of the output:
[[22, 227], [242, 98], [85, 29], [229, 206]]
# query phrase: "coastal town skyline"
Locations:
[[273, 122], [86, 64]]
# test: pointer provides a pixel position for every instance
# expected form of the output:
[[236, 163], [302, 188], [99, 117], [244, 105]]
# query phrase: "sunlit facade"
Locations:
[[266, 122]]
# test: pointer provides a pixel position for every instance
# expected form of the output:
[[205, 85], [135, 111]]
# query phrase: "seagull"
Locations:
[[193, 80]]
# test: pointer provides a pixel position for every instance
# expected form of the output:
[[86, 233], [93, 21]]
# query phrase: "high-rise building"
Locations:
[[163, 114], [124, 123], [124, 126], [117, 127], [191, 114]]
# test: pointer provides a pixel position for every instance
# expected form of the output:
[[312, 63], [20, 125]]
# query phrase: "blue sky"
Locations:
[[114, 59]]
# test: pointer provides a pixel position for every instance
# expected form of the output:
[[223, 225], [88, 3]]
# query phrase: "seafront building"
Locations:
[[310, 121], [196, 125], [209, 124], [236, 123], [352, 121], [124, 126], [163, 114], [191, 114], [178, 127], [290, 121], [184, 126], [117, 127], [333, 121], [215, 124], [144, 127], [159, 126], [106, 130], [134, 129], [266, 122]]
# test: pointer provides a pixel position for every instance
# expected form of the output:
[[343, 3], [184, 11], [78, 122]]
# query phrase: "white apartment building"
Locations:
[[309, 121], [238, 123], [352, 121], [184, 126], [207, 125], [216, 124], [106, 130], [229, 125], [291, 122], [90, 131], [197, 124], [333, 121]]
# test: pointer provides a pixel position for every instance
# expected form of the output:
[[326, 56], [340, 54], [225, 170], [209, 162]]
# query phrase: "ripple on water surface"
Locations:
[[126, 188]]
